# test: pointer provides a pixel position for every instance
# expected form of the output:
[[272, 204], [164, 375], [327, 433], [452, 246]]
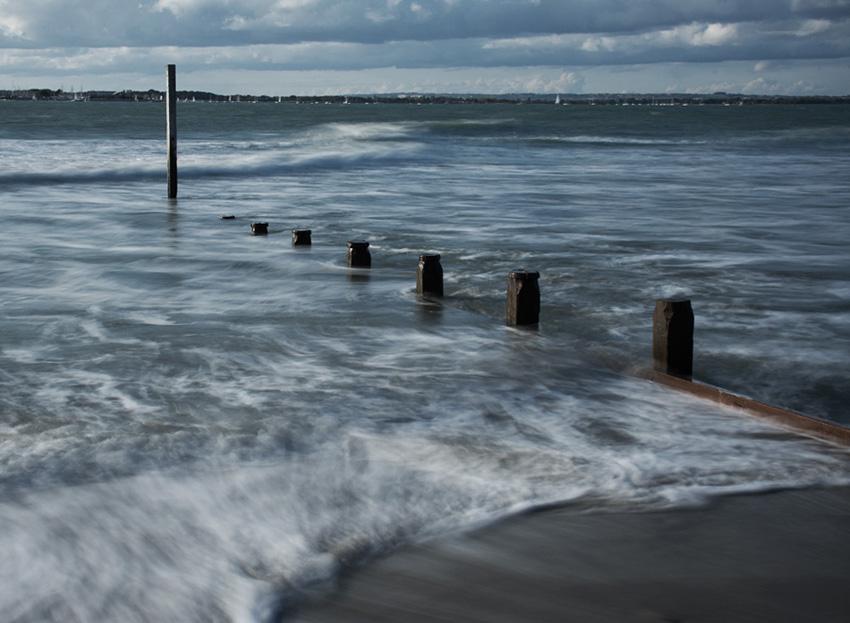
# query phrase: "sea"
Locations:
[[200, 424]]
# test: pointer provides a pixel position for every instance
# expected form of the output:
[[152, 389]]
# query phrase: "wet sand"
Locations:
[[778, 557]]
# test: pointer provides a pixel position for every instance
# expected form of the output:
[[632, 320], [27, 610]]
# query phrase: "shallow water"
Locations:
[[199, 424]]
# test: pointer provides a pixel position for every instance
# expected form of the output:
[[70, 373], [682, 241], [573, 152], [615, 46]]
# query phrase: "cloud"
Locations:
[[715, 34], [562, 36], [135, 23], [12, 27], [760, 85], [812, 27]]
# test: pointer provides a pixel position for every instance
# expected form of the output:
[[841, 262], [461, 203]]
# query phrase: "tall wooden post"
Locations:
[[673, 337], [171, 130], [523, 297]]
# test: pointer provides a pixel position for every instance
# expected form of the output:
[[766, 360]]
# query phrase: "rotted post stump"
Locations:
[[673, 337], [523, 306], [259, 229], [429, 275], [358, 254], [302, 237]]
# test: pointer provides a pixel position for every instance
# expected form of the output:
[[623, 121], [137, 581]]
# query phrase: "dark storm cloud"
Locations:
[[106, 23]]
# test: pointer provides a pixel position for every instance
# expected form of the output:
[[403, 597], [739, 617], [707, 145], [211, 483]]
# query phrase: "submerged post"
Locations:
[[673, 337], [429, 276], [302, 237], [358, 254], [171, 130], [523, 298]]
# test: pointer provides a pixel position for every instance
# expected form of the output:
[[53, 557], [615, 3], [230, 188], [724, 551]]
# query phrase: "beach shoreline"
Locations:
[[774, 556]]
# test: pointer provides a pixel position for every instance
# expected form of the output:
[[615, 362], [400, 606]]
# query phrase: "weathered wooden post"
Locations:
[[171, 130], [673, 337], [259, 229], [523, 298], [429, 275], [302, 237], [358, 254]]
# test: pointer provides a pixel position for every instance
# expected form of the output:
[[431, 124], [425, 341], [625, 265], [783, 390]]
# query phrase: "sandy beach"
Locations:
[[779, 556]]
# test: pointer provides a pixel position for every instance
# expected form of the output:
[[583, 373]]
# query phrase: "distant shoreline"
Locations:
[[604, 99]]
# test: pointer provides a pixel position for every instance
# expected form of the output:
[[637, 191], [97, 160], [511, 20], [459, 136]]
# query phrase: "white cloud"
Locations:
[[180, 7], [812, 27], [802, 86], [696, 34], [716, 34], [598, 44], [760, 85], [12, 27]]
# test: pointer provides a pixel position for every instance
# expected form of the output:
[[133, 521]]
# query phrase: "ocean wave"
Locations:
[[263, 163]]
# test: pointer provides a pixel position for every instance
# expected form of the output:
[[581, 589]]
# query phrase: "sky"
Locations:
[[323, 47]]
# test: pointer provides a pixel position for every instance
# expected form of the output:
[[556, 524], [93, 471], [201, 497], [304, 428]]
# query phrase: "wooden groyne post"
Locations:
[[429, 275], [259, 229], [673, 337], [523, 306], [358, 254], [302, 237], [672, 352], [171, 130]]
